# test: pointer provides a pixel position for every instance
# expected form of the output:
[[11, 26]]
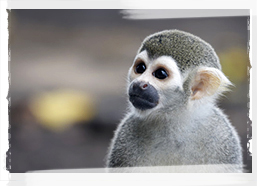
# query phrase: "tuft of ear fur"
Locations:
[[207, 82]]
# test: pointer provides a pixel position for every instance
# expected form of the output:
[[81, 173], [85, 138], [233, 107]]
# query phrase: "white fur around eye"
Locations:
[[174, 79], [144, 58]]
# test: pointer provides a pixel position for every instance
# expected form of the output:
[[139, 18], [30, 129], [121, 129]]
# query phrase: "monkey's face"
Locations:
[[150, 81], [174, 69]]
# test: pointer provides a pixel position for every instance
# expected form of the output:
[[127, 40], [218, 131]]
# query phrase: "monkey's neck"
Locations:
[[177, 119]]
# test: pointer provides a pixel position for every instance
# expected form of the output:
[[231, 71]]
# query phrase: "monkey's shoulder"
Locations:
[[124, 147], [218, 135]]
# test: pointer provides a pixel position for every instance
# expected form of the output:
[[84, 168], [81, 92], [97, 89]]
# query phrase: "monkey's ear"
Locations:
[[207, 82]]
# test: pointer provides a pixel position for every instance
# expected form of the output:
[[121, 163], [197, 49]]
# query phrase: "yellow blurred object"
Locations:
[[234, 64], [61, 108]]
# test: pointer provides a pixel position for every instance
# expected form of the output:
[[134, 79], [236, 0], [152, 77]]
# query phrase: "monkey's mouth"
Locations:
[[142, 102]]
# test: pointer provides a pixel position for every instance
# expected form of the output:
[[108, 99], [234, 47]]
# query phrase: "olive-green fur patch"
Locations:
[[188, 50]]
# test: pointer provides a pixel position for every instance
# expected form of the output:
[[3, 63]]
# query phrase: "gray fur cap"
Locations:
[[188, 50]]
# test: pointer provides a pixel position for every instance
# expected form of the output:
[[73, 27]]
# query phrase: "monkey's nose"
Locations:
[[143, 85], [140, 86]]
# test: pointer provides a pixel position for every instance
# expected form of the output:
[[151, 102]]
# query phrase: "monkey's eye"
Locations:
[[160, 73], [140, 68]]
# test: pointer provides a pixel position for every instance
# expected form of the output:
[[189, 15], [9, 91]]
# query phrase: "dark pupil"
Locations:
[[160, 73], [140, 68]]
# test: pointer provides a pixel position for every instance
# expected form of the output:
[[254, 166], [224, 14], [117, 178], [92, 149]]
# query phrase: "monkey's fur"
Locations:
[[183, 126]]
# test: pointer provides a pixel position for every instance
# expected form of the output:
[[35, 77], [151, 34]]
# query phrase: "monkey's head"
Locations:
[[173, 69]]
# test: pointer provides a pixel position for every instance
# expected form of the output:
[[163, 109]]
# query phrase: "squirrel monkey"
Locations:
[[173, 119]]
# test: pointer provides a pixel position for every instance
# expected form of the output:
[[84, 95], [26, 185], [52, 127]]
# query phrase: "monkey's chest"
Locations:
[[160, 147], [161, 151]]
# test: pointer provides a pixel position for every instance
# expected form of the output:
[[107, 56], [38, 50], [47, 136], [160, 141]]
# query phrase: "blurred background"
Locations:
[[68, 73]]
